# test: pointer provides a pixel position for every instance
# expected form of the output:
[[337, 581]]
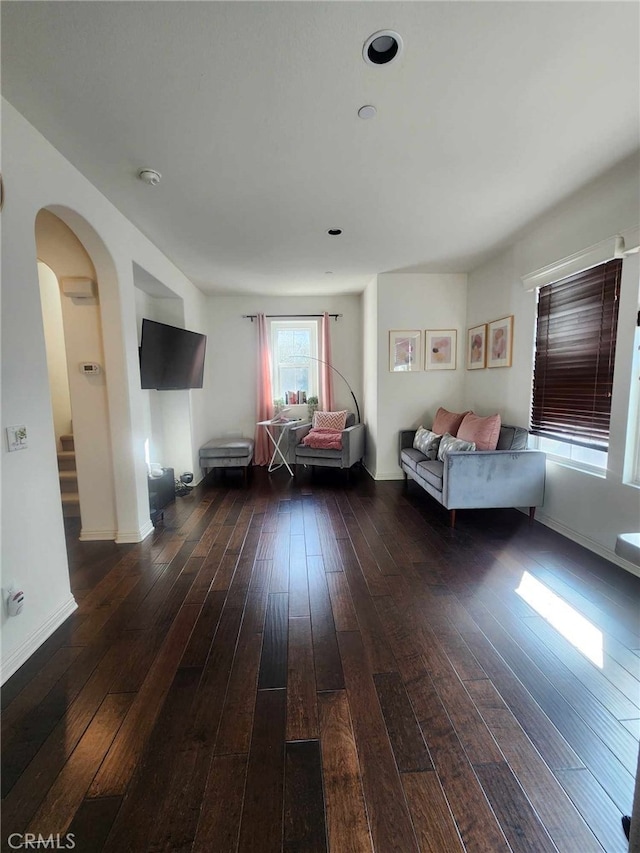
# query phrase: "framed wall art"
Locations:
[[477, 347], [405, 351], [500, 342], [440, 350]]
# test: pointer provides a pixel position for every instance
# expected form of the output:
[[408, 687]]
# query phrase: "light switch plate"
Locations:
[[17, 438]]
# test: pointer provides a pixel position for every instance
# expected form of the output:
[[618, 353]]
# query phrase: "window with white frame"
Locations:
[[294, 348], [574, 363]]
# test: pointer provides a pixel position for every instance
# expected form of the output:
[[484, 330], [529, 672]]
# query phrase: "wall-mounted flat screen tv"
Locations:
[[171, 359]]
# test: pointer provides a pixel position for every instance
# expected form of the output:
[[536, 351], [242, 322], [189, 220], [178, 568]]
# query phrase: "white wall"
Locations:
[[588, 508], [370, 371], [33, 543], [230, 367], [405, 400], [56, 355]]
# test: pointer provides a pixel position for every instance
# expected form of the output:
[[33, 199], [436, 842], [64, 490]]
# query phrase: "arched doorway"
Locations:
[[83, 440]]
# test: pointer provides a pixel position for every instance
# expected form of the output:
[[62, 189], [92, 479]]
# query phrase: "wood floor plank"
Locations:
[[344, 614], [327, 662], [374, 639], [304, 825], [142, 800], [568, 719], [568, 830], [476, 821], [261, 826], [391, 827], [234, 734], [37, 688], [92, 822], [219, 824], [408, 746], [347, 826], [298, 580], [432, 819], [302, 710], [116, 771], [204, 630], [600, 812], [273, 662], [66, 794], [517, 818]]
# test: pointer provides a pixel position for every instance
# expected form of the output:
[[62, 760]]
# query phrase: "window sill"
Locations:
[[577, 466]]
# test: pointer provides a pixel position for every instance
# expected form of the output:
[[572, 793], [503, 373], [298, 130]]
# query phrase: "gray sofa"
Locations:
[[352, 447], [510, 476]]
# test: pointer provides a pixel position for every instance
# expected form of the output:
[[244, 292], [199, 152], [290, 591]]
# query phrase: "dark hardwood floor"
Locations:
[[312, 665]]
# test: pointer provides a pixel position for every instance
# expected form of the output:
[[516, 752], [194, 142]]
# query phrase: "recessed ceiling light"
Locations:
[[368, 111], [382, 47], [334, 231]]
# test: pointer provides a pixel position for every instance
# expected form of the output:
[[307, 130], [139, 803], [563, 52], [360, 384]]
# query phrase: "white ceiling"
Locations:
[[494, 112]]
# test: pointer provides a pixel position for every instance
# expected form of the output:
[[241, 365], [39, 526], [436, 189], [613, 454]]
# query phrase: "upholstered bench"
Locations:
[[227, 453], [628, 546]]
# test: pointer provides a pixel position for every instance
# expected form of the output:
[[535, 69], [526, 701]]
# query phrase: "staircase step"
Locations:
[[67, 460], [70, 504], [68, 482], [67, 442]]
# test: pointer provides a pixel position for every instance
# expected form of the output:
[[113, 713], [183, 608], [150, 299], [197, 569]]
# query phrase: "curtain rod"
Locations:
[[252, 317]]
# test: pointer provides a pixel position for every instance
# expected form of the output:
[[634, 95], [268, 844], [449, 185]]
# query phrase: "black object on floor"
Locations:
[[626, 825]]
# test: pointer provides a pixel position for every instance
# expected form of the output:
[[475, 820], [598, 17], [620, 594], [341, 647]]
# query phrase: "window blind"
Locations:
[[575, 355]]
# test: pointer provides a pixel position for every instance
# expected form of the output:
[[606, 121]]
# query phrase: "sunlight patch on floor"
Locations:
[[564, 618]]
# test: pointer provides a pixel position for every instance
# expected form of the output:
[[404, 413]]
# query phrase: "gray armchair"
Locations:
[[352, 447]]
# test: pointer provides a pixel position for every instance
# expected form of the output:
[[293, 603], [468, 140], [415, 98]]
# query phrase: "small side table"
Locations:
[[281, 428]]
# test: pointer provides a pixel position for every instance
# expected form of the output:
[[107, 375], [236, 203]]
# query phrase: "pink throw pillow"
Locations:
[[446, 421], [330, 420], [483, 431]]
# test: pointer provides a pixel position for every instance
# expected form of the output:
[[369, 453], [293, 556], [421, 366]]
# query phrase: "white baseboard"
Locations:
[[96, 535], [131, 537], [30, 645], [589, 544], [390, 475]]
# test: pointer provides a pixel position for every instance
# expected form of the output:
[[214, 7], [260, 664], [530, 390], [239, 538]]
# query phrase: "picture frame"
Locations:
[[477, 347], [440, 349], [405, 350], [500, 342]]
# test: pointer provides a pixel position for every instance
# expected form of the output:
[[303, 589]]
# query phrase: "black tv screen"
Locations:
[[171, 359]]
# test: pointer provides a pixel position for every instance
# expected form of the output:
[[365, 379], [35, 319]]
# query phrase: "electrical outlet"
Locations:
[[17, 438]]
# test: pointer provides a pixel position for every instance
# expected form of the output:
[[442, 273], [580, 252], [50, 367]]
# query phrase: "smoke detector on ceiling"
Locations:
[[149, 176]]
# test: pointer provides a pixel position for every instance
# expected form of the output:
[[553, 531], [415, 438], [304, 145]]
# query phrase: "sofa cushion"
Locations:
[[484, 432], [513, 438], [446, 421], [330, 420], [427, 442], [323, 439], [316, 452], [431, 471], [451, 443], [411, 457]]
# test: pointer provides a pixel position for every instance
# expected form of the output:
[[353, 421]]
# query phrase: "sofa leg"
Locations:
[[532, 514], [452, 518]]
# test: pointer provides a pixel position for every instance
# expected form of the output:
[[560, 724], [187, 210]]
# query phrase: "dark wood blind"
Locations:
[[575, 354]]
